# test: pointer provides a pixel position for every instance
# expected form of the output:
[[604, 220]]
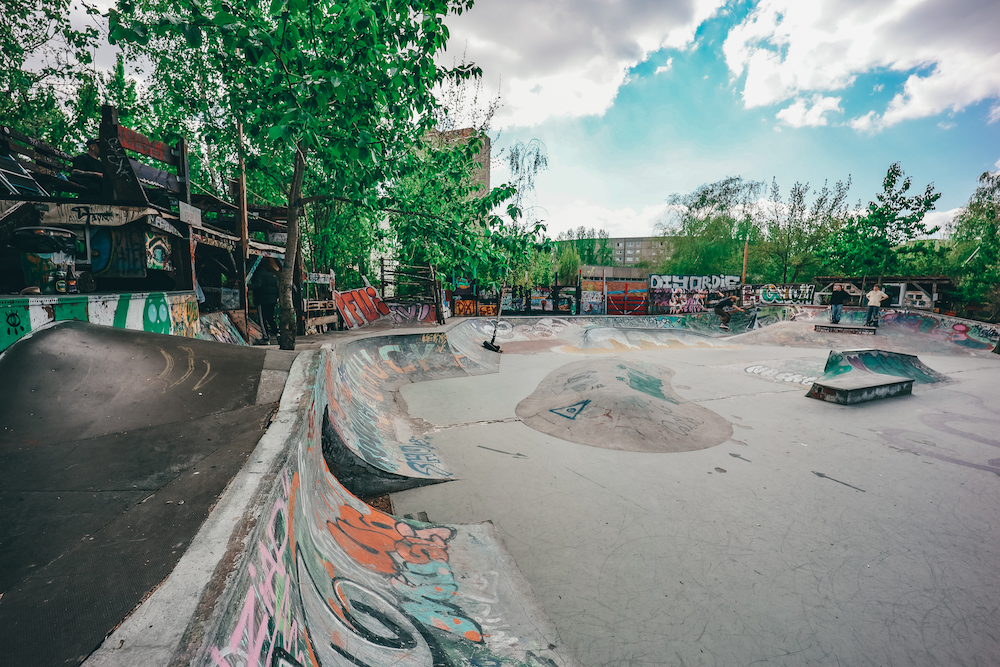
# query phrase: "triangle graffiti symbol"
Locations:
[[571, 411]]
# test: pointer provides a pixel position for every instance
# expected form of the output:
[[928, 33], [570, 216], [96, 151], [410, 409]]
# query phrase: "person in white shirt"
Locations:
[[875, 299]]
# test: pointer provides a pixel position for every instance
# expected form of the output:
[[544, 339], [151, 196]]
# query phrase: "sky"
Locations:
[[636, 100]]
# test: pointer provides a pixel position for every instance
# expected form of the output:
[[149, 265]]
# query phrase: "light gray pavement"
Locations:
[[817, 535]]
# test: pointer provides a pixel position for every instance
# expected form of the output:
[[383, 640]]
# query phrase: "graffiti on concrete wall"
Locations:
[[328, 580], [174, 313], [464, 307], [591, 303], [363, 406], [404, 314], [677, 301], [965, 333], [778, 295], [220, 327], [694, 283], [359, 307], [119, 252], [158, 252]]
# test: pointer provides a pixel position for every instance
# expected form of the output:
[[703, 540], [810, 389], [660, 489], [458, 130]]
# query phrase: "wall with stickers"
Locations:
[[328, 580], [174, 313]]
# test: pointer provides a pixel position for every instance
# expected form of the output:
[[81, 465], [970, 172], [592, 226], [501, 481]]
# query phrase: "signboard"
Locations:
[[190, 214]]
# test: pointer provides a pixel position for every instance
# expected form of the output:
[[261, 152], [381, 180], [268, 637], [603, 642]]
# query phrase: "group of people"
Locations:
[[725, 306], [875, 298]]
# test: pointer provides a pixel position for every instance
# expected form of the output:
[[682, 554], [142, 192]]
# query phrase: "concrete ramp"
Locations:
[[883, 362], [114, 446], [616, 404], [324, 579], [370, 442]]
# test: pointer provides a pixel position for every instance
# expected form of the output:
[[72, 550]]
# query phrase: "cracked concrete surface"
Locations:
[[837, 535]]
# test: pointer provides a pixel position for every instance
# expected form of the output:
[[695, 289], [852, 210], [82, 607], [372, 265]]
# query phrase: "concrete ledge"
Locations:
[[845, 328], [860, 388]]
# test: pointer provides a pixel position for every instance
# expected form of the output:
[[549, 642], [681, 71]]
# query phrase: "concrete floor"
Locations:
[[817, 535]]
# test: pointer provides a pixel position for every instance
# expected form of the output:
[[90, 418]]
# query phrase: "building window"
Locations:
[[630, 244]]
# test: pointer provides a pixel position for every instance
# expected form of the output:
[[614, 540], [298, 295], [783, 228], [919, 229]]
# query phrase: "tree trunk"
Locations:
[[288, 326]]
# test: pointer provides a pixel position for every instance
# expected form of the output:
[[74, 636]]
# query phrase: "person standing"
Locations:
[[875, 299], [265, 296], [724, 309], [837, 300], [88, 170]]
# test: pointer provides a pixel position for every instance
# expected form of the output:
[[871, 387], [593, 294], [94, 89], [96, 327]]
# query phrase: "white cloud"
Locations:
[[575, 53], [788, 48], [665, 67], [800, 114], [617, 222], [942, 219]]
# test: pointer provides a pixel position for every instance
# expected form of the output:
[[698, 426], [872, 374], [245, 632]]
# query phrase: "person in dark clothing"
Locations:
[[724, 309], [265, 295], [837, 300], [87, 167]]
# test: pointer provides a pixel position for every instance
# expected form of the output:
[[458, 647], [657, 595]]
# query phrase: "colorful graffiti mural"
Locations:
[[174, 313], [364, 411], [328, 580], [464, 306], [158, 252], [778, 295], [694, 283], [678, 301], [220, 327], [883, 362], [360, 306], [964, 333], [119, 252], [406, 314]]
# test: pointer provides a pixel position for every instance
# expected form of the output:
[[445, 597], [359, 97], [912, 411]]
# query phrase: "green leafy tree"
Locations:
[[795, 228], [329, 87], [872, 243], [711, 225], [524, 163], [441, 216], [569, 264], [977, 245], [43, 60]]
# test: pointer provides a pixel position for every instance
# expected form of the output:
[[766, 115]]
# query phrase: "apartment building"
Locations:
[[632, 250]]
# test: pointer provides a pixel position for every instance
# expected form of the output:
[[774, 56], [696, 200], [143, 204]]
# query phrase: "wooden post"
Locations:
[[124, 184], [183, 170], [746, 248], [244, 228]]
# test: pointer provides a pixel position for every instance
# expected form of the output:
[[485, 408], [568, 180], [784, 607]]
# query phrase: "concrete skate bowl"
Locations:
[[114, 445], [324, 579], [370, 443], [622, 405], [597, 335], [900, 331]]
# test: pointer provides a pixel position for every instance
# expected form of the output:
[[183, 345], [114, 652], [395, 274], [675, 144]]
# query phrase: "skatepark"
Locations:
[[607, 491]]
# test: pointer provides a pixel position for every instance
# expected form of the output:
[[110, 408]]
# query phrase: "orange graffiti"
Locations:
[[360, 306], [465, 308], [373, 539]]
